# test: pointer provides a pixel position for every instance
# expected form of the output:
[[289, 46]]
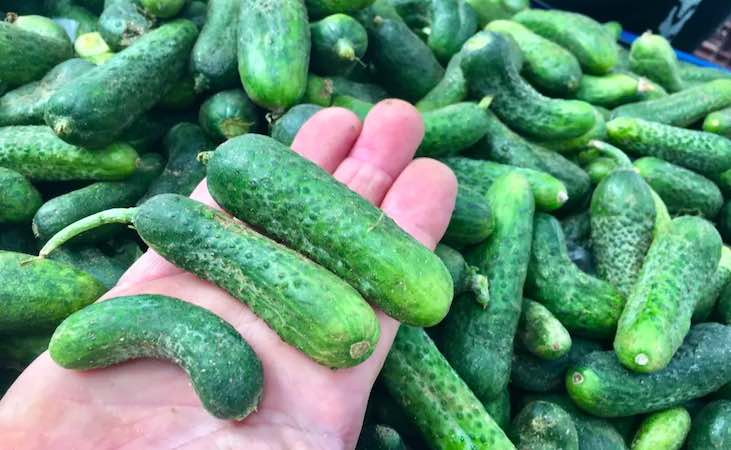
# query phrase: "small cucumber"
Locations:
[[718, 122], [228, 114], [543, 425], [609, 90], [107, 269], [652, 56], [488, 66], [600, 168], [213, 61], [286, 127], [452, 88], [123, 22], [164, 9], [443, 407], [452, 23], [338, 43], [601, 385], [570, 146], [379, 437], [17, 352], [228, 380], [499, 409], [37, 153], [19, 200], [465, 278], [585, 38], [322, 8], [711, 428], [489, 10], [541, 333], [359, 107], [472, 220], [663, 430], [713, 289], [453, 128]]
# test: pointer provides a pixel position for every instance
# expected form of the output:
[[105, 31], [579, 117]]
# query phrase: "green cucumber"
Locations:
[[682, 108], [87, 21], [79, 115], [453, 128], [37, 153], [490, 10], [223, 370], [382, 408], [718, 122], [359, 107], [572, 145], [585, 305], [338, 43], [17, 352], [322, 8], [585, 38], [548, 66], [300, 209], [478, 341], [195, 11], [364, 91], [711, 428], [180, 96], [549, 192], [286, 127], [318, 91], [41, 25], [19, 200], [649, 90], [472, 220], [682, 190], [444, 409], [614, 29], [107, 269], [17, 238], [465, 278], [499, 409], [452, 88], [145, 133], [452, 23], [228, 114], [213, 61], [690, 72], [600, 168], [541, 333], [663, 430], [609, 90], [705, 153], [543, 425], [712, 290], [123, 22], [273, 51], [58, 290], [601, 385], [652, 56], [489, 67], [164, 9], [379, 437]]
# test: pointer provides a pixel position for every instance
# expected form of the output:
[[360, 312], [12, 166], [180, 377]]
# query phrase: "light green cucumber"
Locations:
[[453, 128], [663, 430], [718, 122], [652, 56], [541, 333], [609, 90]]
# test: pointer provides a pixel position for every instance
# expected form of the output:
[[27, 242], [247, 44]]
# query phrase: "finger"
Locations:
[[391, 134], [327, 137]]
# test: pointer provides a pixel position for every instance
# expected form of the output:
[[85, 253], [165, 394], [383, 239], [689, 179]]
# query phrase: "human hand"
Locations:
[[149, 404]]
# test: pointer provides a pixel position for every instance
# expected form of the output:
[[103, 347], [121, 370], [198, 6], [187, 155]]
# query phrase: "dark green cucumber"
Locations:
[[364, 91], [445, 410], [79, 114], [286, 127], [578, 143], [223, 370], [453, 128], [164, 9], [58, 290], [107, 269], [465, 278], [19, 200], [609, 90], [452, 23], [577, 228], [711, 428], [499, 409], [322, 8], [180, 96], [548, 66], [87, 21], [318, 91], [37, 153], [652, 56], [718, 122], [301, 210], [213, 61], [145, 133], [472, 220], [543, 425], [228, 114], [682, 190], [382, 408], [712, 290], [359, 107], [26, 104], [601, 385], [122, 23], [705, 153], [663, 430], [452, 88], [17, 352], [489, 10], [379, 437], [549, 192], [338, 43], [478, 341], [690, 72], [682, 108], [489, 67], [273, 51], [541, 333]]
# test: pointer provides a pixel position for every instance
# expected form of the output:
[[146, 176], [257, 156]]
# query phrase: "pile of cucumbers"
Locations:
[[580, 298]]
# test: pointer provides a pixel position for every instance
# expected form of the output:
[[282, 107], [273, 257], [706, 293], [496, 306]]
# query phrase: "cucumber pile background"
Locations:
[[592, 285]]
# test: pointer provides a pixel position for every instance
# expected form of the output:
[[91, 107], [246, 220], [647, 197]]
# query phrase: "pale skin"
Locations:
[[148, 404]]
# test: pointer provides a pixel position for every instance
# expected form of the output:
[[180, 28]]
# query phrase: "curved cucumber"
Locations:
[[452, 23], [321, 8], [652, 56], [224, 371], [664, 429], [541, 333], [228, 114], [609, 90], [451, 129], [472, 220], [286, 127], [465, 278], [122, 23], [19, 200], [338, 43], [452, 88], [711, 428], [543, 425], [213, 61], [718, 122]]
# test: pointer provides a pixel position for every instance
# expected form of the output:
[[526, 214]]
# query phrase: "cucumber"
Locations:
[[80, 116], [499, 409], [273, 51], [444, 409], [664, 429], [543, 425], [41, 25], [488, 66], [692, 73], [682, 190], [490, 10], [37, 153], [163, 8], [25, 105], [19, 200], [452, 88], [478, 341], [712, 290], [711, 427], [155, 326], [180, 96], [453, 128], [228, 114], [705, 153], [570, 146], [472, 220], [614, 29], [364, 91], [549, 192], [359, 107], [17, 238], [718, 122], [86, 21], [286, 127], [609, 90], [145, 133], [195, 11], [465, 278], [652, 56], [601, 385], [107, 269], [371, 252], [58, 291], [452, 23], [318, 91], [541, 333], [649, 90], [123, 22], [338, 43], [379, 437], [600, 168], [322, 8], [213, 61], [17, 352], [585, 38], [548, 66], [683, 108], [585, 305]]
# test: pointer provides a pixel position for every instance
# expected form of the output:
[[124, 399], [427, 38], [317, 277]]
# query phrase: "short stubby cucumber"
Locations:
[[541, 333], [452, 88], [339, 42], [609, 90], [652, 56], [718, 122], [663, 430], [122, 23], [472, 220], [228, 114], [213, 61], [466, 278], [334, 325], [452, 23], [321, 8], [369, 250], [711, 428], [19, 199], [451, 129], [286, 127], [543, 425], [224, 371]]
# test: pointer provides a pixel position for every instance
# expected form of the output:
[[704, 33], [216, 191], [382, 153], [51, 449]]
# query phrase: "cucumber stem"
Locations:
[[116, 215], [485, 102], [479, 285], [345, 49], [613, 152]]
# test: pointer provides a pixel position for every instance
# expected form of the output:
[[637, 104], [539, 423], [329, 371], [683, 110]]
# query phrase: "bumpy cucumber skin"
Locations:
[[122, 23], [379, 437], [163, 8], [692, 73], [652, 56], [718, 122], [26, 56], [274, 51], [106, 269], [213, 61], [713, 288], [663, 430], [224, 371], [472, 220], [322, 8], [58, 290], [489, 68], [445, 410], [286, 127], [338, 42], [571, 146], [17, 352], [37, 153], [541, 333], [477, 341], [19, 200], [600, 168], [683, 108], [228, 114], [452, 23], [705, 153], [368, 250], [359, 107], [499, 409], [548, 66], [601, 385], [682, 190], [609, 90], [94, 109], [544, 426], [449, 130], [711, 428], [452, 88]]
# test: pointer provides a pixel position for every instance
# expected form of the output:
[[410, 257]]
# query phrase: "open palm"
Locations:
[[149, 404]]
